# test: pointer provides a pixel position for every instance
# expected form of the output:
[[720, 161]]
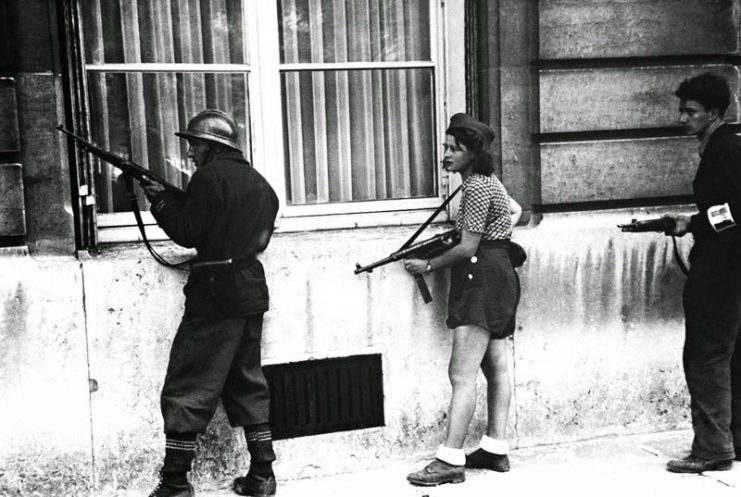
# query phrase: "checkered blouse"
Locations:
[[485, 208]]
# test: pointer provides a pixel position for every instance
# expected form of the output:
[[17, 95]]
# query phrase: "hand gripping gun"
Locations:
[[664, 225], [426, 249]]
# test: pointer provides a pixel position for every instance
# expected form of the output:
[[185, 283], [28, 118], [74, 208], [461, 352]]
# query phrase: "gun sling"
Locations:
[[134, 203]]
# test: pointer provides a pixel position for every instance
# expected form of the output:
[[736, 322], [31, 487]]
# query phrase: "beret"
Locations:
[[462, 120]]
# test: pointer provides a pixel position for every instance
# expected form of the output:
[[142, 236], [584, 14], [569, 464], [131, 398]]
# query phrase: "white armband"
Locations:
[[720, 217]]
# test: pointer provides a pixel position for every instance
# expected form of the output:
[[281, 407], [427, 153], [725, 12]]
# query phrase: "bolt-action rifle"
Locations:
[[127, 167], [132, 171], [426, 249]]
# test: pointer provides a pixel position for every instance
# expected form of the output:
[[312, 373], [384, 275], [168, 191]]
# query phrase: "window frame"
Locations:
[[263, 71]]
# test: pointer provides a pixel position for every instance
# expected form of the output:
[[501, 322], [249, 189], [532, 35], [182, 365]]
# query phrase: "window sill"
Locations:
[[121, 227]]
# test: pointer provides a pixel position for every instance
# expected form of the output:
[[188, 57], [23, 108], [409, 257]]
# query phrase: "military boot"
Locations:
[[173, 485], [254, 485]]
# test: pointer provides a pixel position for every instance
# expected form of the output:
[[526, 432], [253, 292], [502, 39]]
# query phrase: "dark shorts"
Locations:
[[484, 291]]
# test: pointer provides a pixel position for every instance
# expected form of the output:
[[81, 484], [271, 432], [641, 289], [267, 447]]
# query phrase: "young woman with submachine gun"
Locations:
[[482, 301]]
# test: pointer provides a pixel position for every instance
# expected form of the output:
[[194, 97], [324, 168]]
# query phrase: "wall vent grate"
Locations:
[[325, 395]]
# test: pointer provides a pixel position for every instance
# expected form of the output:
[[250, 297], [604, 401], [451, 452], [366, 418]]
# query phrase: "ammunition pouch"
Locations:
[[517, 254]]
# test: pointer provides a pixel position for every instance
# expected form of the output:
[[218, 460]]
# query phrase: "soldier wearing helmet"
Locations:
[[227, 215]]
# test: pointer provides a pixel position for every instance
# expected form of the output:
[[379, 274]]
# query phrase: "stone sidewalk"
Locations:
[[611, 466]]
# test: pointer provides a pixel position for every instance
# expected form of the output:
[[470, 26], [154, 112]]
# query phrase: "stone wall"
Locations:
[[85, 346]]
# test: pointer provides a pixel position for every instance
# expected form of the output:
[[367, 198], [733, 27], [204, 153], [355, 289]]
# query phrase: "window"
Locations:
[[353, 76], [338, 101]]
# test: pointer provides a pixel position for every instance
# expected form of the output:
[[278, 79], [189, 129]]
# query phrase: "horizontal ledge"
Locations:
[[612, 204], [616, 134], [646, 61]]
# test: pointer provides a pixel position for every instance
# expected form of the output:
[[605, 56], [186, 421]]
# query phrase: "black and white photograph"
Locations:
[[370, 248]]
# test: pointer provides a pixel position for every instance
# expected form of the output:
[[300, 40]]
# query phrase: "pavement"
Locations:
[[610, 466]]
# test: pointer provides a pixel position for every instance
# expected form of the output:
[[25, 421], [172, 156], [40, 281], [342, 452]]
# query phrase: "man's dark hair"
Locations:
[[483, 162], [709, 89]]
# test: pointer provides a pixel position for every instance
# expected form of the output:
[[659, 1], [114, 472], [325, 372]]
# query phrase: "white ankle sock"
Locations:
[[456, 457], [494, 445]]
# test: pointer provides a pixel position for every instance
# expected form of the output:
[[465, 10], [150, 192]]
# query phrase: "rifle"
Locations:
[[132, 171], [127, 167], [664, 225], [426, 249]]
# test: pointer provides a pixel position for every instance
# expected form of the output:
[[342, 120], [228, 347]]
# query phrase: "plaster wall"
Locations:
[[597, 351]]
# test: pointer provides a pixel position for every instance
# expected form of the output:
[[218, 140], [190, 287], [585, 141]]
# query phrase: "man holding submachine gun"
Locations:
[[712, 292]]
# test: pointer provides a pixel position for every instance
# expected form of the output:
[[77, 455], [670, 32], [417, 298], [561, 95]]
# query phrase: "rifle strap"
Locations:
[[133, 201], [678, 257], [430, 219]]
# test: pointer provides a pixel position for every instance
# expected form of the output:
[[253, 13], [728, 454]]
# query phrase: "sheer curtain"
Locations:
[[136, 110], [358, 100]]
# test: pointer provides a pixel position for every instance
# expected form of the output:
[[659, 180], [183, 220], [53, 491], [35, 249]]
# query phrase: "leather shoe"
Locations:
[[437, 473], [693, 464], [738, 453], [165, 490], [486, 460], [255, 485]]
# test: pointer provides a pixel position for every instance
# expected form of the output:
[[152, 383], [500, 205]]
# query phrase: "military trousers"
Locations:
[[712, 349], [211, 360]]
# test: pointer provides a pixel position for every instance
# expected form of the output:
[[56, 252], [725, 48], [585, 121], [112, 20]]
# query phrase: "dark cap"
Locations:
[[464, 121]]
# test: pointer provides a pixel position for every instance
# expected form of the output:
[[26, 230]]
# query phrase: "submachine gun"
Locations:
[[426, 249], [131, 171], [664, 225]]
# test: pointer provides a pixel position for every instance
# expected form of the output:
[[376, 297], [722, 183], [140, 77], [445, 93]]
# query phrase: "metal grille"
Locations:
[[326, 395]]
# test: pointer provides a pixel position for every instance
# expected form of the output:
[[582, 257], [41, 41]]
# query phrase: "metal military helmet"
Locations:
[[212, 125]]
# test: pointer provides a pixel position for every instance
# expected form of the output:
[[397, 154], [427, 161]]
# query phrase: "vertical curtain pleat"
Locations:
[[380, 125], [216, 38], [399, 101], [292, 109], [339, 129], [361, 104], [420, 153], [318, 99]]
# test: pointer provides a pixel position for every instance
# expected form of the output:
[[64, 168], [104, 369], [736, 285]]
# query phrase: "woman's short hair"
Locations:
[[476, 136], [482, 161], [709, 89]]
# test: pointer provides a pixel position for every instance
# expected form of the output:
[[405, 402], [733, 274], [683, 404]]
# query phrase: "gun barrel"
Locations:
[[662, 224], [373, 265], [425, 249]]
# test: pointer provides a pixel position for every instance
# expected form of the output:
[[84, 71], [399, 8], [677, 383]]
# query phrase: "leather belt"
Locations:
[[225, 264]]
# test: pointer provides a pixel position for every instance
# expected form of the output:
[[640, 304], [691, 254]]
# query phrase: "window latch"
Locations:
[[84, 193]]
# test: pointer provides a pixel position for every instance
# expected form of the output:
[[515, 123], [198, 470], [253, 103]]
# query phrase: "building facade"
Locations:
[[342, 105]]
